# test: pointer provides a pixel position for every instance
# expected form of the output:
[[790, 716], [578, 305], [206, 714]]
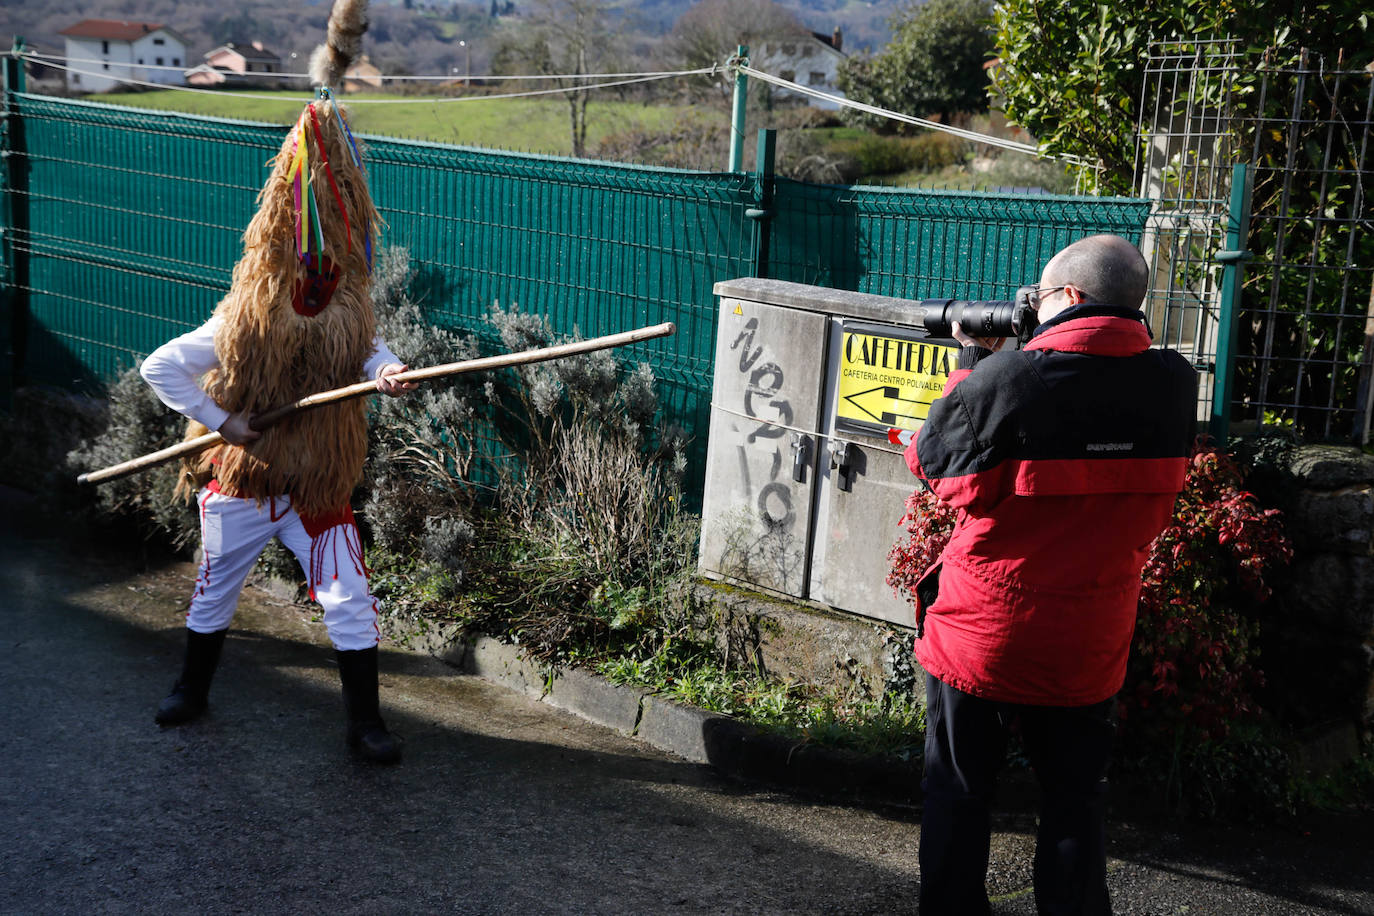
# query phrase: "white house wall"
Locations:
[[172, 53], [96, 77], [121, 62], [819, 69]]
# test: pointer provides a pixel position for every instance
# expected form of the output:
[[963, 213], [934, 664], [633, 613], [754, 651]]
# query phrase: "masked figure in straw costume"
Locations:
[[297, 319]]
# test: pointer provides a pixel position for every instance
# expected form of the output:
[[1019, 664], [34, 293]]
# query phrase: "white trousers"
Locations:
[[233, 534]]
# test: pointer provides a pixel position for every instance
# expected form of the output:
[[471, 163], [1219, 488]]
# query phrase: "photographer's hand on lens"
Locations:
[[987, 343]]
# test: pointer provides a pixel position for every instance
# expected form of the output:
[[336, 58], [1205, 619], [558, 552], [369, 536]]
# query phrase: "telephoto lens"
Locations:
[[983, 317]]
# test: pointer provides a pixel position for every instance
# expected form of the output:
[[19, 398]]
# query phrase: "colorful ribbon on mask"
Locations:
[[357, 161], [309, 229]]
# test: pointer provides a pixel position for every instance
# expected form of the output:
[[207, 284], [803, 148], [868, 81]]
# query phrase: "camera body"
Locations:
[[983, 317]]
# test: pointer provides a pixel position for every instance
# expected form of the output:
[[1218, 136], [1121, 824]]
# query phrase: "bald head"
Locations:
[[1105, 269]]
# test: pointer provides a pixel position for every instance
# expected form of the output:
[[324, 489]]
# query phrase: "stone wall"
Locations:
[[1321, 644]]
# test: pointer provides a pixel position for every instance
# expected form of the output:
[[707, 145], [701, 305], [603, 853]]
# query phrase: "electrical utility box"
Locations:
[[804, 493]]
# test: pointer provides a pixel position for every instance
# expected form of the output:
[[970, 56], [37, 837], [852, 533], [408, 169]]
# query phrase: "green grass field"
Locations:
[[535, 125]]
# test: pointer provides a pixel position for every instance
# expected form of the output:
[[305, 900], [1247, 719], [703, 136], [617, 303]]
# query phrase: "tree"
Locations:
[[934, 63], [710, 31], [1070, 72], [564, 39]]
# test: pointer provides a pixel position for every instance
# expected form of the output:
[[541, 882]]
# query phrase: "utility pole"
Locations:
[[737, 117]]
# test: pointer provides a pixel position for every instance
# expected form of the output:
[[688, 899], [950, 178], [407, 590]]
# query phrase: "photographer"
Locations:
[[1063, 460]]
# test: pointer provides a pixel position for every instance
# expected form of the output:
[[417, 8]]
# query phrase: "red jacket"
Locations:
[[1063, 461]]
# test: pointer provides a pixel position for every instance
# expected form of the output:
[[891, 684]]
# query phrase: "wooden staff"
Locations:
[[363, 389]]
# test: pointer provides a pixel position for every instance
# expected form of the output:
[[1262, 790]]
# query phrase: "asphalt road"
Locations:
[[502, 805]]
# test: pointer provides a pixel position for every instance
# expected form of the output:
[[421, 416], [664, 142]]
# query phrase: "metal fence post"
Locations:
[[13, 154], [762, 211], [1232, 259], [737, 116]]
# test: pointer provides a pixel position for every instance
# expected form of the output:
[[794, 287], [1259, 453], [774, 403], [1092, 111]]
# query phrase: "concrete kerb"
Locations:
[[734, 748]]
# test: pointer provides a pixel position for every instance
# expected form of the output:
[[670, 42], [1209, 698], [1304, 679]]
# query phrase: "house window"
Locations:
[[158, 41], [76, 79], [788, 75], [104, 47], [159, 62], [817, 78], [176, 61], [140, 60], [789, 50], [808, 50]]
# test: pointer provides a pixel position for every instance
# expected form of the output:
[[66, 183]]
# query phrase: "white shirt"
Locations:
[[174, 369]]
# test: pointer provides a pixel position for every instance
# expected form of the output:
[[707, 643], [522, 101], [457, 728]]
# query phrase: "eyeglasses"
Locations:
[[1038, 293]]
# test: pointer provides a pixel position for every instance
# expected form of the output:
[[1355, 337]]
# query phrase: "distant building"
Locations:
[[362, 76], [102, 54], [240, 63], [811, 59]]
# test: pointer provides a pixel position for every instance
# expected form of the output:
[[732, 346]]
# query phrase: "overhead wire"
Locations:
[[841, 101]]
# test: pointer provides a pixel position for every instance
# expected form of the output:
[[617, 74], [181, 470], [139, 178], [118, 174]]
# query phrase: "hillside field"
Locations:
[[538, 125]]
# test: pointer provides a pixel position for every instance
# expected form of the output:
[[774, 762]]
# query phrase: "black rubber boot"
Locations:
[[192, 690], [367, 734]]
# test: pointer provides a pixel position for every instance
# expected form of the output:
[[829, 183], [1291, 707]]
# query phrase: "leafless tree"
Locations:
[[709, 32], [564, 39]]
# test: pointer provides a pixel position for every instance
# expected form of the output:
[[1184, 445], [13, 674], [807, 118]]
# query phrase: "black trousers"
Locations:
[[1068, 747]]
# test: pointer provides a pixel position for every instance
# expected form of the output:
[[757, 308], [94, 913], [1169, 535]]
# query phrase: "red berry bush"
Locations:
[[1193, 671], [928, 524]]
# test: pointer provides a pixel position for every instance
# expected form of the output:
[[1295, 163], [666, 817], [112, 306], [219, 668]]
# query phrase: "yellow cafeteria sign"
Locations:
[[888, 380]]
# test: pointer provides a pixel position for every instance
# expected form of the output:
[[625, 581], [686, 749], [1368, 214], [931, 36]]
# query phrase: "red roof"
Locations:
[[112, 29]]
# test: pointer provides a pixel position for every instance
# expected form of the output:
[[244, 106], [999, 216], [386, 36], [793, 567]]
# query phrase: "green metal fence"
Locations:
[[122, 226], [931, 244]]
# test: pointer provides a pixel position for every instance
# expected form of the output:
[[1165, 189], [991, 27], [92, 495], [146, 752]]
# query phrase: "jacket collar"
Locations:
[[1108, 330]]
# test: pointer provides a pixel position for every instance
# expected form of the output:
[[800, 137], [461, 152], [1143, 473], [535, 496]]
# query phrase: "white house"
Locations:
[[102, 53], [808, 58]]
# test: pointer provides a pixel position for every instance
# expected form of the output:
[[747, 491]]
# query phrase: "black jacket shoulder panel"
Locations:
[[1049, 404], [973, 428]]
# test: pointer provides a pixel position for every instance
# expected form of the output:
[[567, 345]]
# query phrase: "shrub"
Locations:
[[582, 525], [684, 145], [598, 480], [1193, 667], [428, 433], [40, 428], [872, 155], [423, 447], [137, 423], [928, 524]]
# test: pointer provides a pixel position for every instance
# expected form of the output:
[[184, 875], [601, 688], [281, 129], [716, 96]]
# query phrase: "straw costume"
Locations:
[[297, 319]]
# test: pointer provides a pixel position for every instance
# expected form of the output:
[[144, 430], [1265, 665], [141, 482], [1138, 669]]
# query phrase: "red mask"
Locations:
[[313, 293]]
